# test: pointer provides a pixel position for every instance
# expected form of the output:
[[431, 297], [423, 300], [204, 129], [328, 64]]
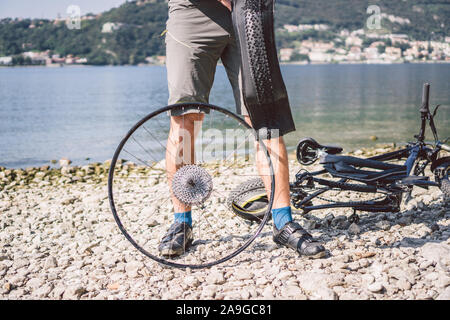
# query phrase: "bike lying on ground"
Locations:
[[376, 175]]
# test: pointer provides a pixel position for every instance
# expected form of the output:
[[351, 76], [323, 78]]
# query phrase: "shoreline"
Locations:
[[97, 172], [82, 161], [378, 63]]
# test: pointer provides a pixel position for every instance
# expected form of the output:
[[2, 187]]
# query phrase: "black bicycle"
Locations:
[[387, 181]]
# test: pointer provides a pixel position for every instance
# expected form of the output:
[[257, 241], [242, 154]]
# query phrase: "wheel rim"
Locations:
[[114, 184]]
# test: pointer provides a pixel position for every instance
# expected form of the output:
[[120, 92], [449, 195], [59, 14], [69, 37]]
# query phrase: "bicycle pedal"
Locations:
[[354, 218]]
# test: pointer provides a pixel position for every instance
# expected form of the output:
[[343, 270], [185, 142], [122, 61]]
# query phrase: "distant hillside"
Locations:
[[139, 35], [429, 18]]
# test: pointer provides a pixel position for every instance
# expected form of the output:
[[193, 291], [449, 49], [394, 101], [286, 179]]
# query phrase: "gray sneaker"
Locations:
[[177, 240]]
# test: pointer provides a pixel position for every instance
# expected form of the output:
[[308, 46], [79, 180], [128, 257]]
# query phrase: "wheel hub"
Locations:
[[192, 185]]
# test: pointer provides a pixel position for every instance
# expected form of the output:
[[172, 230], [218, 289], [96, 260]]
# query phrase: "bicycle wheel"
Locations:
[[143, 191]]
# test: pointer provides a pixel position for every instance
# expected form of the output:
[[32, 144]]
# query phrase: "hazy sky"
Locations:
[[50, 8]]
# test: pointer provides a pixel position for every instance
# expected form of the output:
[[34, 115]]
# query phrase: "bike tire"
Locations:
[[241, 200], [445, 187], [441, 172], [116, 169]]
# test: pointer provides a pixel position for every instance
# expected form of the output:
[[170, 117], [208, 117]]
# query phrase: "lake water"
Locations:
[[83, 112]]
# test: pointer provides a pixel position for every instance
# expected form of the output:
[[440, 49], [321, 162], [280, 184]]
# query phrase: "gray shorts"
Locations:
[[199, 33]]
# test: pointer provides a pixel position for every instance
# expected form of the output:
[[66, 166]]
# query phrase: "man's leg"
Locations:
[[180, 149], [278, 156], [286, 231], [281, 210], [194, 43], [276, 147]]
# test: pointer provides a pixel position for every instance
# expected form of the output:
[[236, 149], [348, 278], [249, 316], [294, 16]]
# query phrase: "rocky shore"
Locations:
[[59, 240]]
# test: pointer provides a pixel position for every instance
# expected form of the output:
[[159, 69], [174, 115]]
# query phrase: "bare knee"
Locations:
[[186, 121], [248, 121]]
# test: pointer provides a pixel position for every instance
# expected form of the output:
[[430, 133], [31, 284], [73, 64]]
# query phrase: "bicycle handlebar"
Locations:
[[425, 98]]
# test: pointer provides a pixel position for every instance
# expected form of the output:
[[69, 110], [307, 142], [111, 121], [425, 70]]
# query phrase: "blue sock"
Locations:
[[184, 217], [281, 216]]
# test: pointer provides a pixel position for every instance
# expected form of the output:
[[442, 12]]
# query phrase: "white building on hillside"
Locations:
[[286, 54], [6, 61], [353, 41], [110, 27]]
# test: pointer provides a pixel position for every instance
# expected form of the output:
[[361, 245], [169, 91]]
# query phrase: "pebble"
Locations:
[[403, 284], [340, 222], [445, 295], [284, 275], [191, 281], [268, 294], [292, 291], [368, 279], [375, 287], [50, 262], [354, 229], [215, 277], [243, 274], [325, 294], [383, 225], [209, 291], [74, 292], [64, 162]]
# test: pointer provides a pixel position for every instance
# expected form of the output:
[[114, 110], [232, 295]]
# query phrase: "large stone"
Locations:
[[191, 281], [209, 291], [354, 229], [74, 292], [405, 273], [268, 293], [244, 274], [383, 225], [35, 283], [64, 162], [324, 294], [368, 279], [215, 277], [132, 268], [444, 295], [317, 285], [284, 275], [292, 292], [435, 252], [375, 287], [328, 219], [43, 291], [340, 222], [310, 280], [50, 262]]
